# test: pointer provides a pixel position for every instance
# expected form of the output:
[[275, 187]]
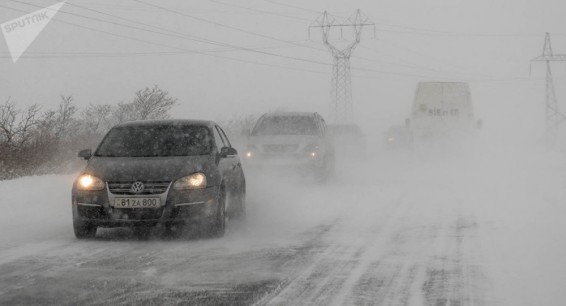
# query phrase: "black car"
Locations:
[[298, 140], [168, 172]]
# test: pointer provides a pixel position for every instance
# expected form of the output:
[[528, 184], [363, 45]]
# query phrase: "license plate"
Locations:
[[136, 203]]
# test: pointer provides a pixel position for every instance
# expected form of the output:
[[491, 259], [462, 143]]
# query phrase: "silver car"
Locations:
[[296, 140]]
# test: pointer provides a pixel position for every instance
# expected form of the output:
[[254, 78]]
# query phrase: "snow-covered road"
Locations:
[[480, 226]]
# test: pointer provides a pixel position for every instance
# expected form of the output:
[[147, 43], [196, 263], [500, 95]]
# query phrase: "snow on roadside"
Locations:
[[35, 208], [522, 203]]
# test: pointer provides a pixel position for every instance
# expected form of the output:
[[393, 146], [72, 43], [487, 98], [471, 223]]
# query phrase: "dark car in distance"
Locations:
[[399, 136], [168, 172]]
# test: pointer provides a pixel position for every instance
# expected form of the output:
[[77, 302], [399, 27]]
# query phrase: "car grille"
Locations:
[[280, 148], [156, 187]]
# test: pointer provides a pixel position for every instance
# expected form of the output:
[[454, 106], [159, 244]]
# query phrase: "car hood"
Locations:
[[149, 168]]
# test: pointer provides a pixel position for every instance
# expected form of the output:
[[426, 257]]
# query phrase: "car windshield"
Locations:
[[156, 140], [286, 125]]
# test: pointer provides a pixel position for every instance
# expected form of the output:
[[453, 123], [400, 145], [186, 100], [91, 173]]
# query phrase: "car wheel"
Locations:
[[84, 230], [217, 226], [240, 204], [321, 174], [242, 213]]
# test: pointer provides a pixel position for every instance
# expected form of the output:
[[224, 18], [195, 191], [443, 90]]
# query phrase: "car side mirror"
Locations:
[[228, 152], [85, 154]]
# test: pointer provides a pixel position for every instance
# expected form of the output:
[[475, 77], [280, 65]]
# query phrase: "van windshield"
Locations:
[[286, 125], [157, 140]]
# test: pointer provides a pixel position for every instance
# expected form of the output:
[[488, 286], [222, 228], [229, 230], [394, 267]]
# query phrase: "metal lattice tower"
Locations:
[[553, 115], [341, 108]]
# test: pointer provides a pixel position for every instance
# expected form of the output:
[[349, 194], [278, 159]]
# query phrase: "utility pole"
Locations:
[[553, 115], [341, 108]]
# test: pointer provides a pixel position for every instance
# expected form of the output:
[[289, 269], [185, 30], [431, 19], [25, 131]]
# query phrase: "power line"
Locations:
[[404, 29], [292, 6], [116, 54], [242, 30], [296, 44], [192, 38], [172, 47], [227, 26], [188, 50], [183, 36], [258, 11], [412, 65], [198, 39], [174, 34]]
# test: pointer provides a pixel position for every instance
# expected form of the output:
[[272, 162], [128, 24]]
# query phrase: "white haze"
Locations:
[[505, 180], [509, 195]]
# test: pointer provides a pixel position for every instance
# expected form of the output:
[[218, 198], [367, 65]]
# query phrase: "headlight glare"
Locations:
[[312, 150], [193, 181], [90, 182], [250, 151]]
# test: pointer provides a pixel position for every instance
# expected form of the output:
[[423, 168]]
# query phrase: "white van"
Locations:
[[441, 110]]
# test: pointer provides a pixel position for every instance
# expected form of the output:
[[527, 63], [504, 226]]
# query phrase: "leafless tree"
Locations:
[[96, 119], [153, 103], [60, 124], [148, 103], [16, 126], [32, 142]]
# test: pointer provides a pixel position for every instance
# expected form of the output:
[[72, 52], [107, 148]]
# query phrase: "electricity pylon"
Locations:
[[553, 115], [341, 108]]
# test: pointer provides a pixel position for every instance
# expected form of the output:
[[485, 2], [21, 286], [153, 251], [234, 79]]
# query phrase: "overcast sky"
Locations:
[[227, 57]]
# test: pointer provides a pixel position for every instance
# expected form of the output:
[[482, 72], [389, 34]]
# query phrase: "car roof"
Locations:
[[162, 122]]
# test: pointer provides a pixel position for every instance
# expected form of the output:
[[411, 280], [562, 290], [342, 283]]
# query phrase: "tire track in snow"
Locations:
[[334, 273], [455, 276]]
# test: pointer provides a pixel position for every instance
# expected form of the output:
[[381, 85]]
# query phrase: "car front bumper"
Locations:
[[184, 206]]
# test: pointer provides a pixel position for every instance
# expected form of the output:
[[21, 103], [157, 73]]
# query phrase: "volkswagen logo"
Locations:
[[137, 187]]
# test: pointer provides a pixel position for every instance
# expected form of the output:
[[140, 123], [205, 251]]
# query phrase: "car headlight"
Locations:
[[250, 152], [312, 150], [193, 181], [90, 183]]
